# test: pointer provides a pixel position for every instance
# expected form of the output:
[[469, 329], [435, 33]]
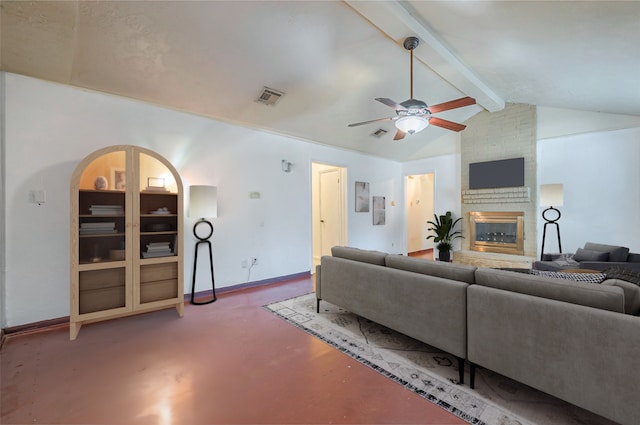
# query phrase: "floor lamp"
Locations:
[[203, 204], [550, 195]]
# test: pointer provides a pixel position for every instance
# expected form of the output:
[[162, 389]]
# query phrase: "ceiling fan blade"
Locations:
[[393, 104], [449, 125], [399, 135], [452, 104], [369, 122]]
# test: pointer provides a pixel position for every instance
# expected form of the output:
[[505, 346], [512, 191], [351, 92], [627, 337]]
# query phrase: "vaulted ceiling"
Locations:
[[332, 58]]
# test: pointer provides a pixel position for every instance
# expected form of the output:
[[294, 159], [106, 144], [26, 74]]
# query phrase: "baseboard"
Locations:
[[64, 321], [248, 285], [35, 326]]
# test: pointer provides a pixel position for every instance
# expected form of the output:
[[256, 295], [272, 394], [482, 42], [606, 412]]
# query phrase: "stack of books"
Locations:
[[106, 209], [157, 249], [97, 228]]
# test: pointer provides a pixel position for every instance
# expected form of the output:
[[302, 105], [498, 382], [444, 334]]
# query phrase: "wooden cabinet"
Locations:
[[126, 236]]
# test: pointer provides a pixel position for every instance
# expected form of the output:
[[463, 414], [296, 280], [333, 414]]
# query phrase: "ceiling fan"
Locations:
[[413, 115]]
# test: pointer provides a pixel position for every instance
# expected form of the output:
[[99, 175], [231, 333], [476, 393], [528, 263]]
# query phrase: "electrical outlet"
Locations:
[[243, 264], [254, 261]]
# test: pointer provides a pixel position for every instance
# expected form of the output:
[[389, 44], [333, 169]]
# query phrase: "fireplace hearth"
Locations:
[[497, 231]]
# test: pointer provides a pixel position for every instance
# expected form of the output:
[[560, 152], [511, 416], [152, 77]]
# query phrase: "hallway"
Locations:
[[228, 362]]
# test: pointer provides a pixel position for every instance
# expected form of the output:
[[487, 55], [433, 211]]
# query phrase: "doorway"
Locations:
[[419, 204], [329, 209]]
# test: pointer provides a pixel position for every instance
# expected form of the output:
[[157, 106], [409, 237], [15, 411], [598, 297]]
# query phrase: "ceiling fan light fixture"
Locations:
[[411, 124]]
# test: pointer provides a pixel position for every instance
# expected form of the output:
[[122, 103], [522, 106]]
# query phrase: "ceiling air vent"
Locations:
[[379, 132], [269, 96]]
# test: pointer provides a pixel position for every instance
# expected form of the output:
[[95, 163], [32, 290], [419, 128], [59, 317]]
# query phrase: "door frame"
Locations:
[[316, 168]]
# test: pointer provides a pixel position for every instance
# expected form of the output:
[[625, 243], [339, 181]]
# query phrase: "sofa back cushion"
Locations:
[[356, 254], [590, 255], [460, 272], [633, 258], [616, 253], [631, 295], [604, 297]]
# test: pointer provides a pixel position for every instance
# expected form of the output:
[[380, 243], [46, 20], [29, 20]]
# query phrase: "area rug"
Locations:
[[430, 372]]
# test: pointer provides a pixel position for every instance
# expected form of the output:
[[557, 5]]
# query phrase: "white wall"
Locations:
[[601, 178], [50, 128]]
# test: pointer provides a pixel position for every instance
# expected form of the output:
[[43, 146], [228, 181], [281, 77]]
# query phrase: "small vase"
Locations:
[[101, 183]]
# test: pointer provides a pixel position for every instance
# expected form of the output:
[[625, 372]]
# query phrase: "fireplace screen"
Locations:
[[497, 231]]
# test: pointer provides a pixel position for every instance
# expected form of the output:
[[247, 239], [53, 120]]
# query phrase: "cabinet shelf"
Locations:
[[100, 265], [168, 232], [101, 235], [100, 216]]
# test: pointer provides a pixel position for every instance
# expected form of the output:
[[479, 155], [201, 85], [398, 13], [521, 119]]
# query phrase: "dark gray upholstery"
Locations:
[[356, 254], [631, 295], [594, 256], [428, 308], [592, 295], [569, 339], [586, 356], [461, 272], [590, 255], [616, 253]]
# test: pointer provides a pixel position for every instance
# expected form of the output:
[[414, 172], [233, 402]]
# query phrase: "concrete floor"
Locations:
[[230, 362]]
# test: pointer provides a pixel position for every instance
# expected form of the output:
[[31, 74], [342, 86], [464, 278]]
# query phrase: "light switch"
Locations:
[[38, 196], [254, 195]]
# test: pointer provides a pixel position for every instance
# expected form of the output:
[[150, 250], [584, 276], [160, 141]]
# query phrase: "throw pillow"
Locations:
[[576, 277], [623, 274], [590, 255]]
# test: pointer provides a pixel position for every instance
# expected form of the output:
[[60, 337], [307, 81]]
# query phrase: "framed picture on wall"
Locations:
[[379, 212], [362, 197], [118, 179]]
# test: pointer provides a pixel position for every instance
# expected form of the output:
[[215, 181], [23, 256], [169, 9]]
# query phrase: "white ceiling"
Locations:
[[332, 58]]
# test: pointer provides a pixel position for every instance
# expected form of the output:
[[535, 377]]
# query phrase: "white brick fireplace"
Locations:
[[510, 133]]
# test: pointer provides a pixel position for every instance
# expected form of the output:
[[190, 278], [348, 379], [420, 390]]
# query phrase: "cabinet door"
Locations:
[[157, 246], [100, 235]]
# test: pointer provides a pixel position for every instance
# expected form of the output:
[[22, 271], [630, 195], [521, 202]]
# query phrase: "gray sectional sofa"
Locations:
[[426, 300], [577, 341]]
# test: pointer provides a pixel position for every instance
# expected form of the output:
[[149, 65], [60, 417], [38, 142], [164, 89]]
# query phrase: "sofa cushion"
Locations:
[[598, 296], [460, 272], [616, 253], [356, 254], [590, 255], [631, 294], [633, 258]]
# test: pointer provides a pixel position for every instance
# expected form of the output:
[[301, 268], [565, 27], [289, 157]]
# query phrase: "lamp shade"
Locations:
[[203, 201], [411, 124], [551, 195]]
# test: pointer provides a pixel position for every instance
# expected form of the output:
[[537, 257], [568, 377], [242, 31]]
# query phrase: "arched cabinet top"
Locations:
[[111, 162]]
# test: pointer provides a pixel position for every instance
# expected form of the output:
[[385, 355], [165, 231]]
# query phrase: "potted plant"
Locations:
[[444, 233]]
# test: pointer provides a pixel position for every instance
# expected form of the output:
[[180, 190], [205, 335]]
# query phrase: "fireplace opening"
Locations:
[[497, 231]]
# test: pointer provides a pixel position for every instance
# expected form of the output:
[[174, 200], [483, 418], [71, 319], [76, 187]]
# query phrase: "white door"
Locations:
[[330, 210], [419, 193]]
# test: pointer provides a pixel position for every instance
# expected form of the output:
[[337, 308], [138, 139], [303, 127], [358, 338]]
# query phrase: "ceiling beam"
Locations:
[[399, 20]]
